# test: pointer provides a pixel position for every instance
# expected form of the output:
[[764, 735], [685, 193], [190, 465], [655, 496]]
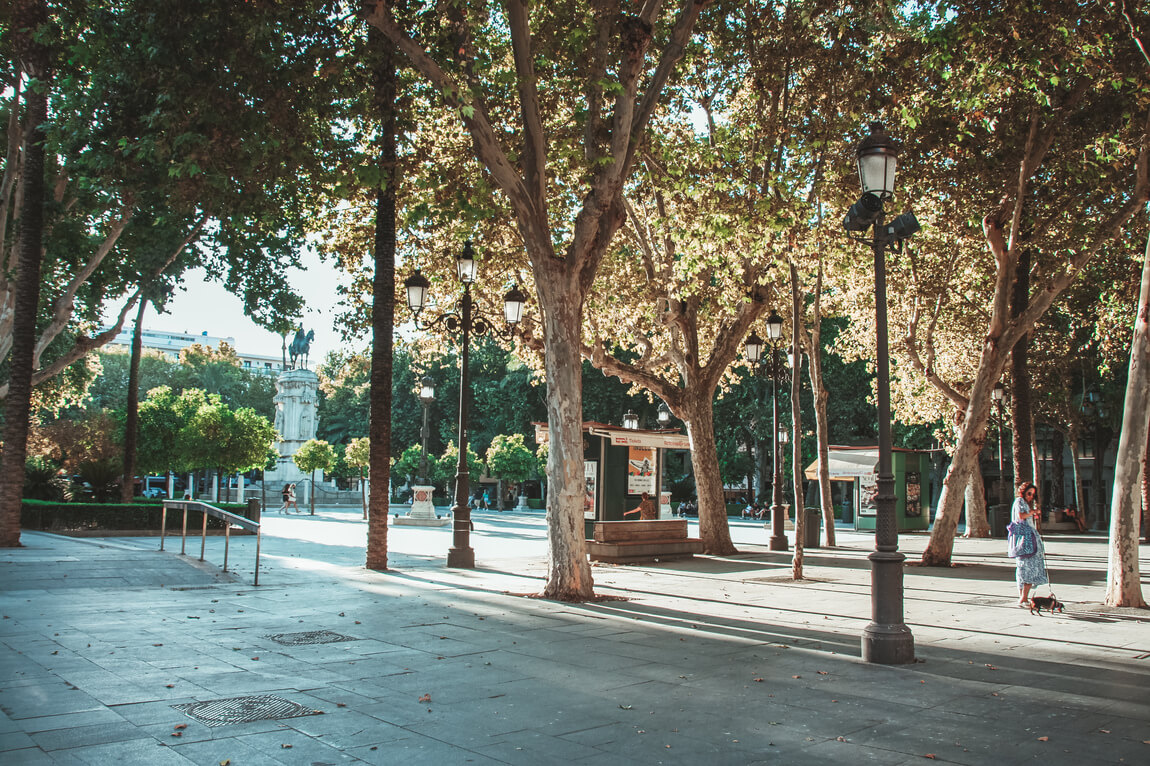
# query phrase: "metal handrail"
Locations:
[[229, 519]]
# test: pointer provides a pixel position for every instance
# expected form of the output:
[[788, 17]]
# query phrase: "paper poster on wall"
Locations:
[[913, 494], [641, 470], [868, 491], [590, 472]]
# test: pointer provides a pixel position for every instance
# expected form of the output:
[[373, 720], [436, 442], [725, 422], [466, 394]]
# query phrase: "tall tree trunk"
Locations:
[[976, 522], [963, 463], [1057, 470], [1097, 477], [383, 304], [822, 427], [1076, 471], [713, 528], [132, 414], [568, 570], [1146, 489], [28, 18], [797, 426], [1123, 578], [1020, 409]]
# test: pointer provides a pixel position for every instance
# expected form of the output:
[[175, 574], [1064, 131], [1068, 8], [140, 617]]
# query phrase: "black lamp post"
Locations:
[[427, 396], [465, 320], [998, 393], [773, 366], [886, 639]]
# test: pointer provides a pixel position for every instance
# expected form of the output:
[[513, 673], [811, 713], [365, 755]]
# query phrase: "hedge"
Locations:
[[49, 516]]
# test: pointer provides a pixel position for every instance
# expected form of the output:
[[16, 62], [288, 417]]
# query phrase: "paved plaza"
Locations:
[[112, 652]]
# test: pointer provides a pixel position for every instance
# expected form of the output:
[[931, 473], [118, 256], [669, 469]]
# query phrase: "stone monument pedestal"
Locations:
[[523, 506], [422, 513]]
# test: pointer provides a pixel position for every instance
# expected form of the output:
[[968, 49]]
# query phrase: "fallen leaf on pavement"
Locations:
[[1104, 731], [759, 680], [796, 676], [624, 707], [1044, 739], [929, 755], [822, 672], [425, 698], [180, 726]]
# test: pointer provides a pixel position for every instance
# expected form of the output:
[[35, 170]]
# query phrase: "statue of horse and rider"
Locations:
[[299, 348]]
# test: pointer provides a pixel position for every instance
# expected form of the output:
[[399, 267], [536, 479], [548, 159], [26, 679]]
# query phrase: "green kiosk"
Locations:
[[619, 464], [911, 484]]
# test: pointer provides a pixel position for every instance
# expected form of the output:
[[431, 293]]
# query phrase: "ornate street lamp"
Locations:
[[664, 416], [427, 396], [772, 366], [886, 639], [465, 320], [998, 394]]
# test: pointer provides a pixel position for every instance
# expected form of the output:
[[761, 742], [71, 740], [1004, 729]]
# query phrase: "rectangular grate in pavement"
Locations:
[[262, 707], [309, 637]]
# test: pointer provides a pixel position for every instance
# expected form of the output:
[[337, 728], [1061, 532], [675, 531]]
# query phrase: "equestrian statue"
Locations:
[[299, 348]]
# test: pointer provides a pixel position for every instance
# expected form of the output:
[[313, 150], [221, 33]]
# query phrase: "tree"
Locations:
[[358, 456], [30, 24], [1123, 579], [447, 465], [508, 459], [132, 408], [535, 49], [313, 455], [1044, 152]]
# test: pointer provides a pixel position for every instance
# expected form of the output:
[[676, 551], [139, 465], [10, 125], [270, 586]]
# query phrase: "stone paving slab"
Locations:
[[721, 660]]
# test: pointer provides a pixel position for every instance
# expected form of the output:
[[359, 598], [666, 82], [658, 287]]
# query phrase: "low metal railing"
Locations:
[[230, 520]]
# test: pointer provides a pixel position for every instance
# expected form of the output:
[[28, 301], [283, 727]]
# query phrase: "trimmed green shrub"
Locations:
[[50, 516]]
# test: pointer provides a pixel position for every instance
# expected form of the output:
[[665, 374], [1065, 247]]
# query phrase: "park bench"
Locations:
[[626, 542]]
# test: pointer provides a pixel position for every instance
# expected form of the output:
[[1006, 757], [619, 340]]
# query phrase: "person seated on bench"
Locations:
[[646, 509], [1071, 513]]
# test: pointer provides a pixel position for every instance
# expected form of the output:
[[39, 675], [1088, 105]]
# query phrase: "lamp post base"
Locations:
[[887, 640], [778, 541], [461, 558], [888, 644]]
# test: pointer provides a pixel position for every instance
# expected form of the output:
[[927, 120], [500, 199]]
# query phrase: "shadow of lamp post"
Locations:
[[466, 320]]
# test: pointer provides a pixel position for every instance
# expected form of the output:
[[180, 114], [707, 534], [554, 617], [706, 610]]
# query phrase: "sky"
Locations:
[[205, 306]]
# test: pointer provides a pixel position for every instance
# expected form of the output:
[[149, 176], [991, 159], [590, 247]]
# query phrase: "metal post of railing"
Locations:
[[204, 535], [257, 578], [184, 533], [227, 541], [163, 524]]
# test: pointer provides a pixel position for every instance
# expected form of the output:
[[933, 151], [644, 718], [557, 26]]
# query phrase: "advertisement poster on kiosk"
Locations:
[[590, 471], [641, 470]]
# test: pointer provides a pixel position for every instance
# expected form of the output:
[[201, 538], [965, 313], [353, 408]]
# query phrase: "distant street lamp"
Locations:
[[773, 366], [465, 320], [998, 393], [886, 639], [427, 396]]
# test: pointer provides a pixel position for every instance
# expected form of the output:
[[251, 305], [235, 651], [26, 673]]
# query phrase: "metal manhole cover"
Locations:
[[263, 707], [310, 637]]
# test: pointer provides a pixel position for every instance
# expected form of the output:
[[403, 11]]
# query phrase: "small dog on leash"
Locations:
[[1049, 603]]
